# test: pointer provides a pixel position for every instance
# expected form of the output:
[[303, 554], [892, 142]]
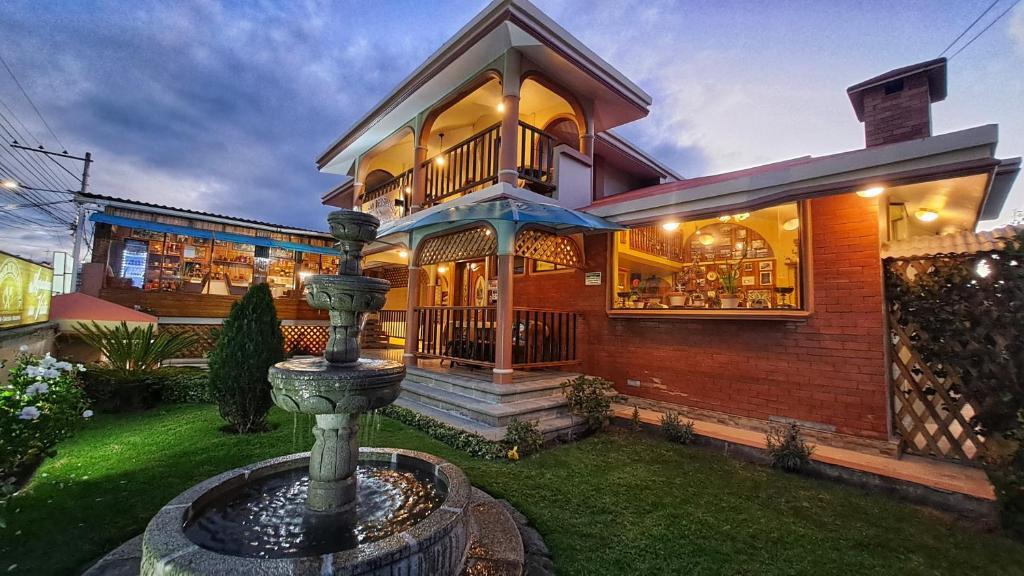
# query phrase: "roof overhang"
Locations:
[[958, 153], [503, 25], [609, 143]]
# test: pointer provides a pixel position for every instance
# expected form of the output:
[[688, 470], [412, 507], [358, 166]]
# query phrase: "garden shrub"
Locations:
[[474, 444], [182, 385], [41, 404], [526, 436], [128, 378], [634, 420], [589, 398], [675, 430], [249, 343], [965, 316], [787, 448]]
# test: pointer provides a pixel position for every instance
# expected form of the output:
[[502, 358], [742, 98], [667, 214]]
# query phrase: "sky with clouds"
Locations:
[[225, 106]]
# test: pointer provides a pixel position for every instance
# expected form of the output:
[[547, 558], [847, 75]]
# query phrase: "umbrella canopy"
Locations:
[[557, 218]]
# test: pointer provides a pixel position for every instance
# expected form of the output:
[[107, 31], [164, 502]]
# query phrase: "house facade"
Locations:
[[747, 297]]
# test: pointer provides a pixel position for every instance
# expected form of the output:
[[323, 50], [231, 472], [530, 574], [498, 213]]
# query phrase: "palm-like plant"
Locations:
[[131, 351]]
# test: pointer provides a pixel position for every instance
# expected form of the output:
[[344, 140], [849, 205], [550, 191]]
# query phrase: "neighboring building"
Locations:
[[749, 296], [188, 267]]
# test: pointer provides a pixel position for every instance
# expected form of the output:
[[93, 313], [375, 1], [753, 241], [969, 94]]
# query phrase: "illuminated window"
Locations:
[[749, 260]]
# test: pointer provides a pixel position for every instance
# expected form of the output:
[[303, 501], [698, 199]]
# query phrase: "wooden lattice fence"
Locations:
[[930, 414], [298, 338]]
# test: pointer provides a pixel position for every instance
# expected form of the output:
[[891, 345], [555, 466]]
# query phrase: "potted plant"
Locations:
[[729, 274], [677, 297]]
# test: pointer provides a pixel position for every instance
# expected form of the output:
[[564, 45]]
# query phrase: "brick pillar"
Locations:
[[504, 320]]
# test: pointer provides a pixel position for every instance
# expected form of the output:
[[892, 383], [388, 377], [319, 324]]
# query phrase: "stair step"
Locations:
[[490, 413], [487, 391], [551, 428]]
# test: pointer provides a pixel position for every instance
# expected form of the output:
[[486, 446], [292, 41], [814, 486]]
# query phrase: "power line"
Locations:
[[21, 137], [985, 29], [31, 103], [980, 16]]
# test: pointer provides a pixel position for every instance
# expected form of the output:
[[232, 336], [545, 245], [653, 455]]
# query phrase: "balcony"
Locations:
[[468, 166]]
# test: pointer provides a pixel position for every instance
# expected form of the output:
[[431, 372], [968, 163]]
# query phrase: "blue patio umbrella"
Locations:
[[557, 218]]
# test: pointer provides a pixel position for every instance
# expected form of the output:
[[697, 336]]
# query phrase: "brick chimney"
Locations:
[[896, 106]]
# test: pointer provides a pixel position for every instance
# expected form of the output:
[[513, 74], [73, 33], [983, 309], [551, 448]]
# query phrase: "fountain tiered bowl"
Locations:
[[338, 509]]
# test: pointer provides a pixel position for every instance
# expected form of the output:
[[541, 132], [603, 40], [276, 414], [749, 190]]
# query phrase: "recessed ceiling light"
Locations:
[[926, 215], [871, 192], [791, 224], [670, 226]]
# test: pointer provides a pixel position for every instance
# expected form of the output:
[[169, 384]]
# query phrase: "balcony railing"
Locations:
[[651, 240], [380, 200], [473, 163], [467, 334]]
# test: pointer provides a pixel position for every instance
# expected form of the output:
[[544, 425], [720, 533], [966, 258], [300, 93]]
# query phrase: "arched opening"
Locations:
[[564, 131], [386, 174]]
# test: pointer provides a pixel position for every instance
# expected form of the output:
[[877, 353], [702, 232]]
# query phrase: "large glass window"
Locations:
[[750, 261]]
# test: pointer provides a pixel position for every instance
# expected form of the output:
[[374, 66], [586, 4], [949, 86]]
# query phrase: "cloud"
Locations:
[[1016, 29]]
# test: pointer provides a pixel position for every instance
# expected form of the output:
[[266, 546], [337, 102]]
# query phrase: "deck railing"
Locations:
[[393, 323], [380, 200], [467, 335], [473, 163], [651, 240]]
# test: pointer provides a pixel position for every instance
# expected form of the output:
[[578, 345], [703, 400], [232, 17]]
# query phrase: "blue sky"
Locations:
[[225, 106]]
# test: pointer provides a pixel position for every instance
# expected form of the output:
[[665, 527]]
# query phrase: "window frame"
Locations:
[[805, 269]]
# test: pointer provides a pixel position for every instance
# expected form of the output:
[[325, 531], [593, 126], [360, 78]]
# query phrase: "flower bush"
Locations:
[[523, 437], [41, 404], [591, 399]]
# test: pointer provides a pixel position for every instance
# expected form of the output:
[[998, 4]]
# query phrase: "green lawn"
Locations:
[[617, 503]]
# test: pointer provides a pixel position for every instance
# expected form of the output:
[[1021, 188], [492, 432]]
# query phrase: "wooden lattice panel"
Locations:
[[205, 334], [461, 245], [548, 247], [929, 413], [304, 339], [398, 276]]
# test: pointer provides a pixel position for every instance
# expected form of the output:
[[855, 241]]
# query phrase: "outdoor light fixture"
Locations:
[[10, 184], [870, 192], [926, 215], [442, 269], [791, 224], [983, 269], [440, 156], [670, 226], [501, 107], [402, 253]]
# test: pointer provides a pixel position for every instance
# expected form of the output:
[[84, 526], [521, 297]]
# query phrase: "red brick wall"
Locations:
[[903, 115], [828, 369]]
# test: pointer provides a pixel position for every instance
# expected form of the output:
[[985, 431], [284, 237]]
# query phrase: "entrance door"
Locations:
[[472, 276]]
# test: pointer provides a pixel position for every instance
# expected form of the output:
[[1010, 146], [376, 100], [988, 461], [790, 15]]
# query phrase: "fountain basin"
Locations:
[[316, 386], [435, 545]]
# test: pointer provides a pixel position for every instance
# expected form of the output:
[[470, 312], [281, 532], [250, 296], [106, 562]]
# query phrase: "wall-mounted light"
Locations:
[[442, 269], [402, 254], [791, 224], [870, 192], [501, 107], [670, 226], [926, 215]]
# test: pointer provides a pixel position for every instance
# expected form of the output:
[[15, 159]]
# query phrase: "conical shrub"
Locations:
[[249, 343]]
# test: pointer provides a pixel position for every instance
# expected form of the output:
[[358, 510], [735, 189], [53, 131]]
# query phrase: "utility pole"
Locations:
[[86, 160]]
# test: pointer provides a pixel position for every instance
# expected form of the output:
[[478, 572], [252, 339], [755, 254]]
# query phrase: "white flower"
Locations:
[[48, 361], [29, 413], [87, 414], [51, 373], [23, 348], [79, 367], [65, 366], [37, 388], [33, 371]]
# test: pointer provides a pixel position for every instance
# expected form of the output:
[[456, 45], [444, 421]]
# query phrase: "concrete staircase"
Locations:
[[480, 406]]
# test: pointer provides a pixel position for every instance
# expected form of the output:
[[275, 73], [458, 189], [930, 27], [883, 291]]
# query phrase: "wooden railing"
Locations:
[[536, 156], [392, 322], [466, 165], [651, 240], [380, 200], [467, 335], [474, 162]]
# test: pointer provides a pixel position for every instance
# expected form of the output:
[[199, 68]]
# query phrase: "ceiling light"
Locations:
[[926, 215], [10, 184], [791, 224], [439, 160], [871, 192], [706, 239], [442, 269], [725, 218], [742, 217], [670, 226], [501, 107], [402, 253]]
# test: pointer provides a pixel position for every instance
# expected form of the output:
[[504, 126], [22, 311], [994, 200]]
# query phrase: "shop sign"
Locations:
[[592, 279], [24, 291]]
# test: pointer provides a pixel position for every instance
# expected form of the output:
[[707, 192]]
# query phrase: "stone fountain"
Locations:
[[338, 509]]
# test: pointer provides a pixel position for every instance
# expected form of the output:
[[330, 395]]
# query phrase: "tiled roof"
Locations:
[[960, 243], [102, 197]]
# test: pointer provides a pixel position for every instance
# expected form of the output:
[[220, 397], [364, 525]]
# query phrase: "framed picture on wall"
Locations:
[[757, 244], [766, 278], [762, 266], [748, 280], [748, 266]]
